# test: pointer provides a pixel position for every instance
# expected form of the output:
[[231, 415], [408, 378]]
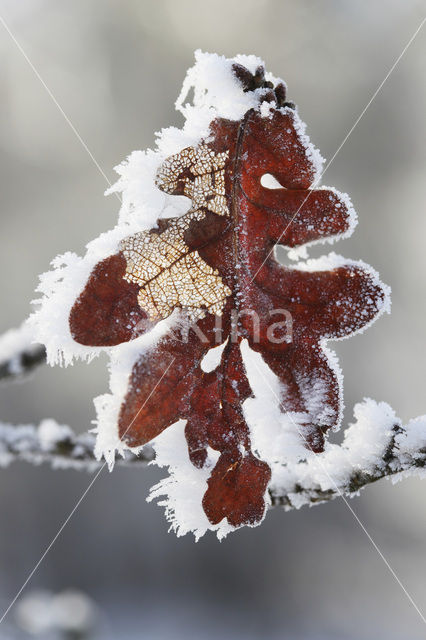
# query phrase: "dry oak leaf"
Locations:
[[216, 264]]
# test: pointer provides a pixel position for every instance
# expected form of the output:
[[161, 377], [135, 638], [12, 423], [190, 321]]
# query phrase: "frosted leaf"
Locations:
[[200, 217]]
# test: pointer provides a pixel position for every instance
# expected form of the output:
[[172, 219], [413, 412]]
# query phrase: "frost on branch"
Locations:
[[375, 446], [52, 443], [18, 354], [218, 353]]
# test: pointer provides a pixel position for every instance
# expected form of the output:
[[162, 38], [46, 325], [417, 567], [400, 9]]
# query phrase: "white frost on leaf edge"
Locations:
[[217, 93], [185, 485], [300, 253], [334, 261], [364, 448], [122, 359]]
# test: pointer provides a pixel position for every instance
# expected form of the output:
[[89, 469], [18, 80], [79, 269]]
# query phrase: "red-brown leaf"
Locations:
[[218, 258]]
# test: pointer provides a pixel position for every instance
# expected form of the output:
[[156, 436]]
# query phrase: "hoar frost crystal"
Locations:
[[218, 352]]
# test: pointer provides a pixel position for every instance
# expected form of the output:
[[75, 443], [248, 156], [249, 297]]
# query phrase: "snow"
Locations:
[[217, 92], [267, 109], [334, 261], [352, 220], [296, 472], [211, 360], [107, 406], [12, 345], [298, 253], [268, 181], [10, 435], [363, 448], [334, 365], [185, 486], [411, 442], [275, 436], [15, 341], [311, 151], [50, 433], [68, 612], [37, 444]]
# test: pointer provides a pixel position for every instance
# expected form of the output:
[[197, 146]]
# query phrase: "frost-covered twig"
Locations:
[[55, 444], [376, 446], [18, 353]]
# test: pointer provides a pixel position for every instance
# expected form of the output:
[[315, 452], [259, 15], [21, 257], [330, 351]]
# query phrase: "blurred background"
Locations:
[[116, 68]]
